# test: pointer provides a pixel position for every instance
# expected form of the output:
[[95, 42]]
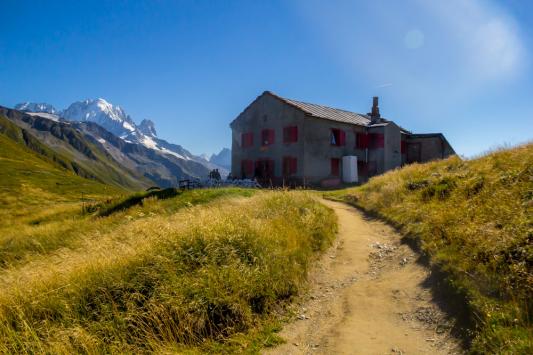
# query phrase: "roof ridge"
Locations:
[[310, 103]]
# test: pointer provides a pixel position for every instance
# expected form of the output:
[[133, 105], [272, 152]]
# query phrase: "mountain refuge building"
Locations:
[[282, 141]]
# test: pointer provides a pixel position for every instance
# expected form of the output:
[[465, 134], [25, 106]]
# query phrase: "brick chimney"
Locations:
[[374, 115]]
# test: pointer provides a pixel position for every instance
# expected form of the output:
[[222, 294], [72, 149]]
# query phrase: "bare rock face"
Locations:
[[36, 107], [147, 127], [223, 158]]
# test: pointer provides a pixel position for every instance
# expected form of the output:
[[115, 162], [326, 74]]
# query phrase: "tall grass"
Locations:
[[66, 225], [200, 276], [474, 219]]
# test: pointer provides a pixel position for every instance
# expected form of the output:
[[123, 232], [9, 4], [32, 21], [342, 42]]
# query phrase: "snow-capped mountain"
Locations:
[[147, 127], [112, 118], [36, 107], [115, 120]]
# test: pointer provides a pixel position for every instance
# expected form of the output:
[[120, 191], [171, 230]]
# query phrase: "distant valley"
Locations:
[[98, 140]]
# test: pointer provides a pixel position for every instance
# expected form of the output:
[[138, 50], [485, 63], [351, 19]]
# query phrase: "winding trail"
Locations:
[[368, 295]]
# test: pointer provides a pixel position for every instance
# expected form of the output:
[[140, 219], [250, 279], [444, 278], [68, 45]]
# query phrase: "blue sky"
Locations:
[[458, 67]]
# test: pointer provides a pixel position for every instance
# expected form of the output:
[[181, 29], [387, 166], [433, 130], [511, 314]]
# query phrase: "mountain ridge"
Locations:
[[93, 152], [114, 119]]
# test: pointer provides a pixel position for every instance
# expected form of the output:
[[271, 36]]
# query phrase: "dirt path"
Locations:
[[367, 296]]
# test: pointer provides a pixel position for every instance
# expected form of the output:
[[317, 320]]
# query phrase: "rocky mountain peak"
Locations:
[[36, 107], [147, 127]]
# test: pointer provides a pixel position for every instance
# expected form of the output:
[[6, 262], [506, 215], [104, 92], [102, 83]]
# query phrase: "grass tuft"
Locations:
[[474, 219], [200, 278]]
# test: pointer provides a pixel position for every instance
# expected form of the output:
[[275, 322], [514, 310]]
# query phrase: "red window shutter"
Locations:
[[267, 137], [342, 137], [377, 140], [290, 134], [403, 147], [289, 165], [335, 166], [247, 168], [294, 136], [362, 141], [247, 139]]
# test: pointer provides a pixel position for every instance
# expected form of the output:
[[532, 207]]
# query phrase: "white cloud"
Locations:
[[461, 47], [488, 37]]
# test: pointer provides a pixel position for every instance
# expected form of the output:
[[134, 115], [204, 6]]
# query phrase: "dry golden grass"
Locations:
[[199, 278], [474, 219]]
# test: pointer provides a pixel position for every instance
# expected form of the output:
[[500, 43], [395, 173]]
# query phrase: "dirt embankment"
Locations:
[[368, 295]]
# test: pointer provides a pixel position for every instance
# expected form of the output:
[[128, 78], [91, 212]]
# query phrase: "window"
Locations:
[[377, 140], [247, 139], [267, 137], [403, 147], [337, 137], [290, 134], [289, 166], [247, 169], [335, 166], [264, 168], [361, 140]]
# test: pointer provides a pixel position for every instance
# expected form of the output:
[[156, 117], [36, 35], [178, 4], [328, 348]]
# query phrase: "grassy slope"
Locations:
[[141, 274], [168, 278], [74, 152], [31, 181], [474, 219]]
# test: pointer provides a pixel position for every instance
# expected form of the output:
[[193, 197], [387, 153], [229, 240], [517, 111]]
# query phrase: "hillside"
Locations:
[[94, 152], [474, 220], [33, 174], [116, 121], [69, 147], [203, 271]]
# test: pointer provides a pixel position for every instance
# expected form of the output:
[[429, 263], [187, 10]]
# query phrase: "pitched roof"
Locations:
[[325, 112]]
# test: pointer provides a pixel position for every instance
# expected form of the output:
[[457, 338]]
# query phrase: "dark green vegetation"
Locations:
[[187, 199], [474, 219]]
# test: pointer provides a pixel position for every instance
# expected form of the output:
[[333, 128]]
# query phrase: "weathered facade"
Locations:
[[283, 141]]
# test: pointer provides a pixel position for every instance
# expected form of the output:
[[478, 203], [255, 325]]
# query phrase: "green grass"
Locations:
[[71, 226], [91, 268], [203, 278], [74, 153], [474, 219]]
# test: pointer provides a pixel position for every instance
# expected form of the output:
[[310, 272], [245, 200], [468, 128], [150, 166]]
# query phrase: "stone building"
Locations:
[[284, 141]]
